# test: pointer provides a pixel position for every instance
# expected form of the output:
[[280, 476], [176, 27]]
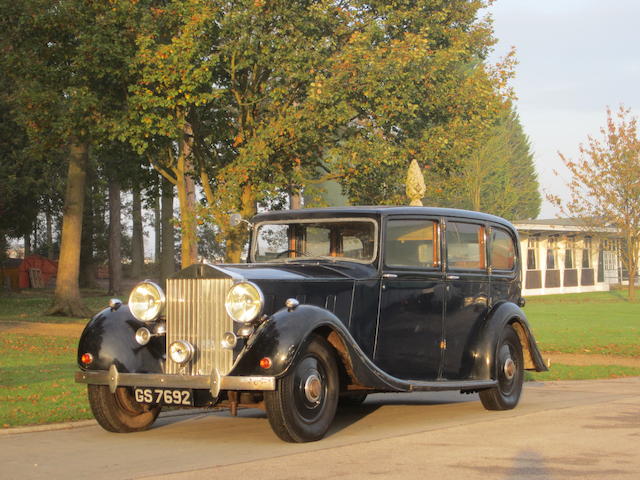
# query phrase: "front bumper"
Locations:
[[214, 382]]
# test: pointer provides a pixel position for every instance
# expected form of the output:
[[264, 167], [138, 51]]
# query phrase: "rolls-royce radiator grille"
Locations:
[[196, 313]]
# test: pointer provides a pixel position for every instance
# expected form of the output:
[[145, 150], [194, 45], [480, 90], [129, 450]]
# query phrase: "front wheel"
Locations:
[[510, 374], [304, 403], [119, 412]]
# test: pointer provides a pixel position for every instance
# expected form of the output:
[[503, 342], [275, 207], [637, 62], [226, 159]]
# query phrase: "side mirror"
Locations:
[[235, 219]]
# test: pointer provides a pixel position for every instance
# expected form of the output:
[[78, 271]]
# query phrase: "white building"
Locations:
[[559, 256]]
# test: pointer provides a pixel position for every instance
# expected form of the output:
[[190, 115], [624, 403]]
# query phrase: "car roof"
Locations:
[[376, 211]]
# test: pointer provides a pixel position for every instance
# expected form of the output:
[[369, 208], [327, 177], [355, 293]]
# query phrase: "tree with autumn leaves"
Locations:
[[605, 186], [252, 102]]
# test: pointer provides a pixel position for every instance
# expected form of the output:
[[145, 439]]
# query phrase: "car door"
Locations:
[[467, 293], [409, 328]]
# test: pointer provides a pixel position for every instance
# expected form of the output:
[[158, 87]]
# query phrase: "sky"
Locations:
[[576, 58]]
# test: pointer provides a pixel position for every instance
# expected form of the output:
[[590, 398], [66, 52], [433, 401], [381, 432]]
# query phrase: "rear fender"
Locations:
[[484, 351], [110, 338]]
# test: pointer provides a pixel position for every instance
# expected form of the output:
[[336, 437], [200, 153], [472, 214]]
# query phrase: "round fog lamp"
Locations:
[[146, 301], [229, 340], [143, 335], [181, 351]]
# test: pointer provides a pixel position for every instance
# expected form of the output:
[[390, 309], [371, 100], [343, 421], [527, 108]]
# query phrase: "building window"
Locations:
[[552, 253], [532, 253], [586, 253], [569, 262]]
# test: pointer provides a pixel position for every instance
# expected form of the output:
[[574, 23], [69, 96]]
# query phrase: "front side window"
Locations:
[[465, 246], [503, 251], [343, 239], [411, 243]]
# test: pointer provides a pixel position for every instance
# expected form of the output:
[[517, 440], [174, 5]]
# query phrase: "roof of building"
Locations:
[[562, 225]]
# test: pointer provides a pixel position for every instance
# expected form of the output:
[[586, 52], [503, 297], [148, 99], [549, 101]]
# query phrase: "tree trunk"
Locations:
[[115, 240], [236, 239], [158, 229], [187, 199], [49, 232], [295, 200], [167, 259], [27, 244], [87, 263], [67, 299], [137, 242]]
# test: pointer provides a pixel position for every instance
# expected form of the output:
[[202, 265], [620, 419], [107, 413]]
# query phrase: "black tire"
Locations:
[[509, 373], [119, 412], [303, 406]]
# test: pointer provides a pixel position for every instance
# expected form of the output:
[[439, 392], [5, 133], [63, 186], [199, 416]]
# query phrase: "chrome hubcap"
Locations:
[[509, 368], [313, 388]]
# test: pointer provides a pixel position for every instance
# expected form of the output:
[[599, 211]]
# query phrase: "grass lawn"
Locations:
[[36, 380], [36, 371], [28, 306], [600, 322]]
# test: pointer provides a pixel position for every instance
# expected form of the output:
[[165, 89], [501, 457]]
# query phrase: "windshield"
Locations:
[[331, 239]]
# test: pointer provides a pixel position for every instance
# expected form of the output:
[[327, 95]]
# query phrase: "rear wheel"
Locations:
[[304, 403], [119, 412], [509, 373]]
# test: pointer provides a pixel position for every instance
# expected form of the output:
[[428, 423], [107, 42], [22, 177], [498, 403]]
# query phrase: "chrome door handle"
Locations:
[[453, 277], [389, 275]]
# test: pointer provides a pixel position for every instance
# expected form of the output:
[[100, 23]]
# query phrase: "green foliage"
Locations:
[[497, 177], [604, 186]]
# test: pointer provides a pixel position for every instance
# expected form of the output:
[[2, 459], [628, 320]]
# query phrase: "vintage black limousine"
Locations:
[[331, 305]]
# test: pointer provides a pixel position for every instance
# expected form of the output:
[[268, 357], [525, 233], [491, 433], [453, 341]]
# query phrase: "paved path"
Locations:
[[585, 430]]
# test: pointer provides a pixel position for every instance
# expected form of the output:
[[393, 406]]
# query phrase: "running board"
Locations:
[[465, 385]]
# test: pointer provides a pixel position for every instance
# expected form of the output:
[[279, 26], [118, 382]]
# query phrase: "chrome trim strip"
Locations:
[[104, 377]]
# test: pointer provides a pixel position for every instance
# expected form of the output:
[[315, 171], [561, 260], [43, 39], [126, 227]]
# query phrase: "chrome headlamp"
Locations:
[[146, 301], [244, 302]]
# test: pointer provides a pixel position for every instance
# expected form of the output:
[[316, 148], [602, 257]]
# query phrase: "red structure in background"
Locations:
[[48, 269]]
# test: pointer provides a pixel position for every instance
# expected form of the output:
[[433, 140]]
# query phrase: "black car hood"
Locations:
[[293, 271], [303, 270]]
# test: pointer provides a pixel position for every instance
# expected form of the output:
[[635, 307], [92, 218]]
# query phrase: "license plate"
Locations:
[[164, 396]]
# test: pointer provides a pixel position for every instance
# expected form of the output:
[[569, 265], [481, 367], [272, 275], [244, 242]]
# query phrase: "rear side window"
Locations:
[[411, 243], [465, 246], [503, 251]]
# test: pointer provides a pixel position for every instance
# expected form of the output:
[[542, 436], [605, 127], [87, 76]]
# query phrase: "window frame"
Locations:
[[514, 244], [483, 246], [376, 236], [437, 250]]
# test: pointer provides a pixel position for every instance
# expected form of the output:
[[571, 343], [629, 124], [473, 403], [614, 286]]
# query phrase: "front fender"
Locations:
[[485, 348], [281, 337], [110, 338], [285, 334]]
